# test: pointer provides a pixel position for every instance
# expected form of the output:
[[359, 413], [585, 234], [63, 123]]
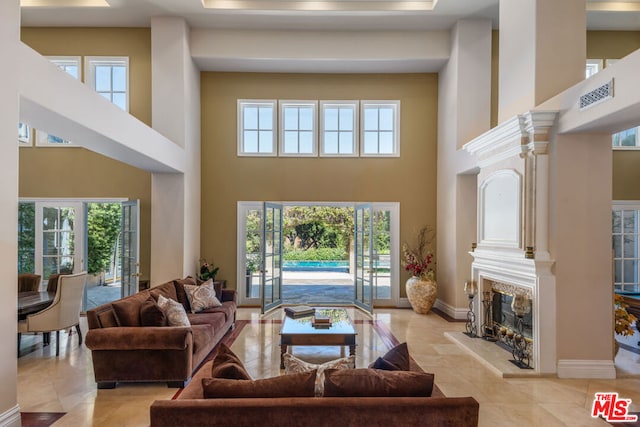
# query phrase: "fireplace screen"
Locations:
[[503, 315]]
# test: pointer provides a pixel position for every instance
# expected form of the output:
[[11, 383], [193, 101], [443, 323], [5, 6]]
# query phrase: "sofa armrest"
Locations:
[[229, 295], [140, 338]]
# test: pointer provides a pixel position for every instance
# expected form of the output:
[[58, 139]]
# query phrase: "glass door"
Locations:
[[130, 238], [363, 253], [59, 245], [271, 291]]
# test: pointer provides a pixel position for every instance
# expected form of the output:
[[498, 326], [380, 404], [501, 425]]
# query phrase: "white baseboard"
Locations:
[[11, 417], [597, 369], [404, 303], [456, 313]]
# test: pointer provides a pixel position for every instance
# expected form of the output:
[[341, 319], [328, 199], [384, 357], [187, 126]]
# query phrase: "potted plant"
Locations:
[[419, 260], [207, 271], [623, 319]]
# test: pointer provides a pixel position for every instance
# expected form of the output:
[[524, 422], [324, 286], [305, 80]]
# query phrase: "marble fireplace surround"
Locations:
[[513, 220]]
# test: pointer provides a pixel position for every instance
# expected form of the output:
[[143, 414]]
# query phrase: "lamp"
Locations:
[[471, 289]]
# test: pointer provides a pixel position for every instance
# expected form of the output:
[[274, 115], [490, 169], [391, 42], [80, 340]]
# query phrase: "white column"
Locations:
[[542, 52], [9, 111], [175, 198], [464, 92]]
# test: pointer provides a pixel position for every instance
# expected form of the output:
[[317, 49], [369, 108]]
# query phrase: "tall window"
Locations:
[[109, 76], [298, 128], [70, 65], [339, 128], [26, 237], [380, 128], [625, 225], [256, 128]]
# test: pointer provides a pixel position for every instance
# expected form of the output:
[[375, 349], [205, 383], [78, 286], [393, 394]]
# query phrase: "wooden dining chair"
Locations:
[[28, 282], [63, 313], [52, 282]]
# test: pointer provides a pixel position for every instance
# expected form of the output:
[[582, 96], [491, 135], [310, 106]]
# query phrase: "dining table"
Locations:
[[33, 301]]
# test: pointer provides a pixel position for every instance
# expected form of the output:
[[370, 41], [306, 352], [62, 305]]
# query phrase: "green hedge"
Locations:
[[320, 254]]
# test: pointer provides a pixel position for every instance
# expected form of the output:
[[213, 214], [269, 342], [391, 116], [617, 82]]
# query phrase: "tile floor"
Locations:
[[65, 384]]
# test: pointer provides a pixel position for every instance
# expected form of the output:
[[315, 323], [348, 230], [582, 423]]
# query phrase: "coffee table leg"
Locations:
[[283, 350]]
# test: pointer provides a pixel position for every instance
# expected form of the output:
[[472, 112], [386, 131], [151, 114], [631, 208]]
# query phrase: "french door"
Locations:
[[130, 241], [363, 253], [271, 294], [59, 242]]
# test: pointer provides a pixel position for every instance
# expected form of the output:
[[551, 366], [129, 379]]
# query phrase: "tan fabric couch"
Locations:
[[125, 349]]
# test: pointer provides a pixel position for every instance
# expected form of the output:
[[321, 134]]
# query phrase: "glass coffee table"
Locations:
[[300, 331]]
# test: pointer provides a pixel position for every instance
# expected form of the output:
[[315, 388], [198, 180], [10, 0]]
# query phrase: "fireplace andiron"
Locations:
[[488, 332], [470, 289]]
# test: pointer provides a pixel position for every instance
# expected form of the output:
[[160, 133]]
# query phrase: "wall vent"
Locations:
[[597, 95]]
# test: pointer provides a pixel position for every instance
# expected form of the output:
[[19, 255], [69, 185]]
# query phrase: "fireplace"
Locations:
[[511, 259]]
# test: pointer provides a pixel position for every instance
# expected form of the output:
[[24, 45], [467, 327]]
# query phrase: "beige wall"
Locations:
[[626, 164], [227, 178], [495, 51], [76, 172], [611, 44]]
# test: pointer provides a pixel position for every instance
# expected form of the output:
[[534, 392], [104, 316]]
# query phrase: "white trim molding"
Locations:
[[11, 417], [451, 311], [596, 369]]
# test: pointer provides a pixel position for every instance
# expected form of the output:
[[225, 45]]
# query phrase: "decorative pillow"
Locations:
[[176, 316], [202, 296], [151, 314], [181, 294], [294, 385], [396, 359], [293, 365], [377, 383], [227, 365]]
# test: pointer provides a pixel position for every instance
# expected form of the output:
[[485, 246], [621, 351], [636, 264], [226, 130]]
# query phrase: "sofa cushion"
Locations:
[[293, 365], [128, 309], [202, 296], [228, 308], [227, 365], [151, 314], [214, 319], [376, 383], [168, 290], [181, 293], [176, 316], [396, 359], [294, 385]]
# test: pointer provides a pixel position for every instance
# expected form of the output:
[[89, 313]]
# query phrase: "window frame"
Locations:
[[282, 104], [355, 127], [627, 147], [61, 61], [626, 206], [25, 135], [90, 63], [42, 140], [395, 105], [241, 104], [593, 63]]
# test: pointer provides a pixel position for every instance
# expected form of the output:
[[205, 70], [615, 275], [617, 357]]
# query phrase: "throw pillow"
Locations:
[[202, 296], [151, 314], [227, 365], [377, 383], [293, 365], [176, 316], [396, 359], [294, 385]]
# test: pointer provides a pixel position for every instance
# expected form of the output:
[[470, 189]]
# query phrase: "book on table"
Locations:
[[321, 321], [299, 311]]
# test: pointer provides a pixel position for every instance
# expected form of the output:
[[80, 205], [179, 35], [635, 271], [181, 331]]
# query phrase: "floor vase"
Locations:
[[421, 294]]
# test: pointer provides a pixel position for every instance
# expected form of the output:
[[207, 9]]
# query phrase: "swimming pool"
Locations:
[[335, 266]]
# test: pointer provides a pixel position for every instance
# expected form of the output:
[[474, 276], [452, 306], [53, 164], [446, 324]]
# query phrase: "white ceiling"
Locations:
[[329, 15]]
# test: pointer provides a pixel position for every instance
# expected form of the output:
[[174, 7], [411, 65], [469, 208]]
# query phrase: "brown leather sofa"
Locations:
[[191, 409], [126, 348]]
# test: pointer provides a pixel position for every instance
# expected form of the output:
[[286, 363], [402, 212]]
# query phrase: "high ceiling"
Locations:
[[318, 15]]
